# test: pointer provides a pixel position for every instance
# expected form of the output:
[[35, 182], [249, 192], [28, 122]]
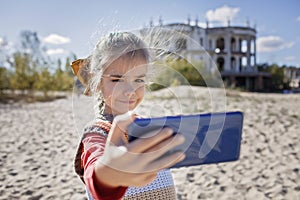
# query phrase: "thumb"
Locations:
[[118, 132]]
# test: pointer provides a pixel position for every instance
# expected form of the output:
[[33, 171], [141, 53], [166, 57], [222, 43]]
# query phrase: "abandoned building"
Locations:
[[231, 48], [293, 75]]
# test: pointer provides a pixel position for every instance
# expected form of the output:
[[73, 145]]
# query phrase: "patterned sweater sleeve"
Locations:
[[93, 148]]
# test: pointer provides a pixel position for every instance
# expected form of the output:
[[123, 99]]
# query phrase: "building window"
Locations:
[[252, 61], [232, 64], [233, 44], [220, 63], [252, 46], [220, 44], [244, 61], [201, 41], [240, 65], [244, 46]]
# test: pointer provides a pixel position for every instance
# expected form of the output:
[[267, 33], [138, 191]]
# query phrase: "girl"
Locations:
[[109, 166]]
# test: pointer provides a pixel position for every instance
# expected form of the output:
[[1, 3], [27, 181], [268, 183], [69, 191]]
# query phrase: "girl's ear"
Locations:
[[81, 68]]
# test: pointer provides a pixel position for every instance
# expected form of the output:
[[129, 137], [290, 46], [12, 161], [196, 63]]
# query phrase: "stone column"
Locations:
[[227, 41], [237, 43], [254, 39], [248, 53], [237, 64], [213, 44], [238, 48]]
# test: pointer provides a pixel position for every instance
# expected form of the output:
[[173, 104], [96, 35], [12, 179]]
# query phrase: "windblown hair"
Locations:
[[108, 49]]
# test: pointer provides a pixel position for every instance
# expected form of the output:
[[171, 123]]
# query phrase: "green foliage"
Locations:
[[30, 70], [24, 72], [4, 79], [44, 81], [279, 81], [173, 72], [63, 79], [27, 74], [277, 76]]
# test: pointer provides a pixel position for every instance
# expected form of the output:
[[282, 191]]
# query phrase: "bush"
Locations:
[[174, 72], [4, 79]]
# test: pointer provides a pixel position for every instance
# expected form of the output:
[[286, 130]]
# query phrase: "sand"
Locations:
[[38, 143]]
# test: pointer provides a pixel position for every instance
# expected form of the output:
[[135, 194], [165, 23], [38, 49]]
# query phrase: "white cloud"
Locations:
[[222, 14], [298, 18], [290, 58], [56, 39], [272, 43], [51, 52]]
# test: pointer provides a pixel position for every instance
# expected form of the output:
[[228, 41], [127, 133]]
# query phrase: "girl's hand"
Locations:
[[135, 163]]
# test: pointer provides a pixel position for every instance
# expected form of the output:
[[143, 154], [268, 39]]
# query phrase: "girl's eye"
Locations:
[[117, 80], [140, 80]]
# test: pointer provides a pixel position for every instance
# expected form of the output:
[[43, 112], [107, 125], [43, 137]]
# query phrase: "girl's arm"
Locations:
[[136, 163], [112, 164], [93, 145]]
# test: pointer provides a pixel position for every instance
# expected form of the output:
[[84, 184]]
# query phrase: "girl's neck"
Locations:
[[106, 116]]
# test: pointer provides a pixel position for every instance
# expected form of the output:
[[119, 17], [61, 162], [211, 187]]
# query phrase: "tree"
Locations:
[[30, 68], [4, 79], [178, 71], [30, 44], [4, 51], [278, 80], [44, 81], [24, 72], [63, 79]]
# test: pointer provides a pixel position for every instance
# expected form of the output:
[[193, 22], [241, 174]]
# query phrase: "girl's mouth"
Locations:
[[128, 101]]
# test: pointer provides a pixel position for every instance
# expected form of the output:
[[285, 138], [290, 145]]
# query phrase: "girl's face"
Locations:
[[123, 84]]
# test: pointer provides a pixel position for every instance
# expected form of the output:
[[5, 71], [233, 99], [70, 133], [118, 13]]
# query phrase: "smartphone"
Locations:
[[209, 138]]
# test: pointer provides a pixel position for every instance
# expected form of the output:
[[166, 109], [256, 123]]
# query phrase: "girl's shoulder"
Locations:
[[99, 126]]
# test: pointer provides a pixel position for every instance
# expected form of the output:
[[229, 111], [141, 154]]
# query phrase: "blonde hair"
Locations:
[[108, 49]]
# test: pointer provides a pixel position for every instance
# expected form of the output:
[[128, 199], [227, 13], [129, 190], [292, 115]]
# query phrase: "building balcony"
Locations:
[[249, 69]]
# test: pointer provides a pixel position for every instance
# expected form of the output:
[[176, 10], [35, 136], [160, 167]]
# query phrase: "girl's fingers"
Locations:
[[166, 161], [157, 152], [149, 141], [119, 128], [160, 154], [167, 144]]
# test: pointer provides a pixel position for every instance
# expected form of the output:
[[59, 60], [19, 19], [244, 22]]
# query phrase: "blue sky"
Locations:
[[74, 25]]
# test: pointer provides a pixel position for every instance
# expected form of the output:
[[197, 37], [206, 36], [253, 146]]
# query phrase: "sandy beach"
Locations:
[[38, 143]]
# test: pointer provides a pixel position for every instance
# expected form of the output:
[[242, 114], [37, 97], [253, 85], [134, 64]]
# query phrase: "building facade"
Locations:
[[293, 77], [231, 48]]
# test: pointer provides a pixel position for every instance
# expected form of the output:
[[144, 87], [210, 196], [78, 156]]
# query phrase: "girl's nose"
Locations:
[[129, 90]]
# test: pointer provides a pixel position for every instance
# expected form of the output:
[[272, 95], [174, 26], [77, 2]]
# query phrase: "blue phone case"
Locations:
[[210, 138]]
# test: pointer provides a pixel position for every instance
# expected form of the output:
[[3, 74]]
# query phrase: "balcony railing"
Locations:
[[249, 69]]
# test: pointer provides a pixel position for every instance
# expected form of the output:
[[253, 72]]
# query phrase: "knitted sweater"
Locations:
[[95, 135]]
